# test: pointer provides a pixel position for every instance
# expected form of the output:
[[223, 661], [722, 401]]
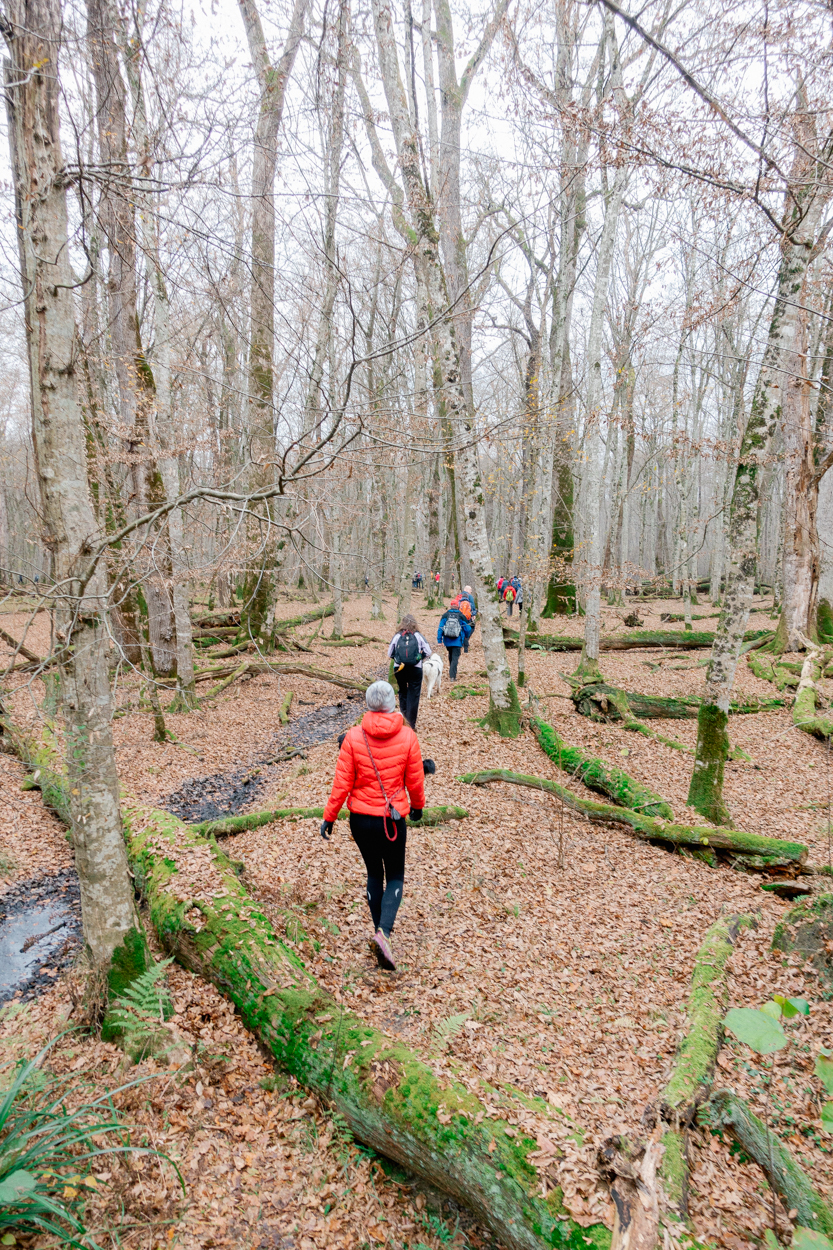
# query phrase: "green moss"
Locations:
[[389, 1098], [130, 959], [705, 793], [824, 621], [506, 721], [603, 778], [673, 1170]]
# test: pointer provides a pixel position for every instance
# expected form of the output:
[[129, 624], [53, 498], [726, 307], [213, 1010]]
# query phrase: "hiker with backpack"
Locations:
[[453, 633], [465, 602], [380, 773], [407, 650], [509, 597], [517, 586]]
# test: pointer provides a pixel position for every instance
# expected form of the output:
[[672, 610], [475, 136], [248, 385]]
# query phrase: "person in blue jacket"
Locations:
[[452, 633]]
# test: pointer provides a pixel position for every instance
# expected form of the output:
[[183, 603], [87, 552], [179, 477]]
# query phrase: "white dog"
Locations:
[[432, 674]]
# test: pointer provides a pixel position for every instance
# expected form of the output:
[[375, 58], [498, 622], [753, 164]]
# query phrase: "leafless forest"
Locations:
[[312, 315]]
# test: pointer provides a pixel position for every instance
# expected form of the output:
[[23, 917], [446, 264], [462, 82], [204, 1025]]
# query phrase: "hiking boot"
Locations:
[[384, 954]]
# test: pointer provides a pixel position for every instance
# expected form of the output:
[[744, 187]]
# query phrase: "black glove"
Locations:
[[327, 829], [341, 738], [415, 813], [428, 766]]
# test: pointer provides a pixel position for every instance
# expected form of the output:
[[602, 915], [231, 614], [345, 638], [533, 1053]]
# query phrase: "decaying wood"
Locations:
[[20, 649], [747, 850], [693, 1070], [725, 1110], [805, 715], [632, 1174], [601, 701], [640, 638]]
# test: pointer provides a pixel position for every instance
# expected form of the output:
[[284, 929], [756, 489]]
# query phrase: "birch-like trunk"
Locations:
[[32, 29], [797, 250]]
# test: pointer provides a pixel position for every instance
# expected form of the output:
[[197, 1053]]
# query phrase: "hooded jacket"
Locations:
[[465, 630], [398, 757]]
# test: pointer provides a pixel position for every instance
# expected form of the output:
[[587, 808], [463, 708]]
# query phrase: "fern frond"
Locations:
[[144, 999], [448, 1028]]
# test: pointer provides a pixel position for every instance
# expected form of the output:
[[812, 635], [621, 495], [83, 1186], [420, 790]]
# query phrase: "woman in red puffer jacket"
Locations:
[[380, 774]]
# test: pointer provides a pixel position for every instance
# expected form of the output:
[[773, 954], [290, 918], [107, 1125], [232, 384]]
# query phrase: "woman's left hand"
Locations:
[[327, 829]]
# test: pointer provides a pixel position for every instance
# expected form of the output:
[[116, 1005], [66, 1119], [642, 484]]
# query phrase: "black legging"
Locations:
[[409, 681], [385, 864], [453, 659]]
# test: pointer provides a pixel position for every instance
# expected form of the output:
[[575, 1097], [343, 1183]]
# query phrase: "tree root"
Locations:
[[745, 850], [228, 825], [692, 1075], [725, 1110], [769, 668], [604, 779], [805, 716]]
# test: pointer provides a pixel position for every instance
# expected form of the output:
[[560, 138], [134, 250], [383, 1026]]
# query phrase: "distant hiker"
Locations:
[[407, 650], [465, 602], [366, 582], [381, 775], [509, 597], [453, 632], [437, 580], [517, 586]]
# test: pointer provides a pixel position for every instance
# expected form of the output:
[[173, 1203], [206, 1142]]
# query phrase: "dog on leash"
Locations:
[[432, 674]]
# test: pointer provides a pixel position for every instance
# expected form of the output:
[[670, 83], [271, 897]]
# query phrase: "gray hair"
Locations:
[[380, 697]]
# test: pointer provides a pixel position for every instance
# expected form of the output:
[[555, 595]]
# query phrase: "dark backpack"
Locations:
[[453, 627], [406, 650]]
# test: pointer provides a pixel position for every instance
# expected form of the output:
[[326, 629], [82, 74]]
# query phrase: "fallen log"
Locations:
[[283, 713], [306, 618], [20, 649], [262, 666], [747, 850], [388, 1097], [693, 1070], [805, 716], [725, 1110], [679, 640], [770, 668], [603, 778], [228, 825], [602, 702]]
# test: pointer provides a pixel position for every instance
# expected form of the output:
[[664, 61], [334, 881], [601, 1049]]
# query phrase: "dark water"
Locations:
[[226, 794], [47, 909]]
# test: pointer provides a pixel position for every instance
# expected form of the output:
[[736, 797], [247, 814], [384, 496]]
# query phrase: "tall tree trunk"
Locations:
[[798, 243], [32, 30], [257, 611]]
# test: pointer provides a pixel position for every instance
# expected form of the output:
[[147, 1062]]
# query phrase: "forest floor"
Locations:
[[535, 950]]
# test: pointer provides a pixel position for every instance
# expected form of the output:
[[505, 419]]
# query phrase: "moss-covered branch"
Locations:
[[637, 638], [726, 1111], [600, 701], [805, 716], [390, 1099], [747, 850], [603, 778], [694, 1066], [769, 668], [227, 825]]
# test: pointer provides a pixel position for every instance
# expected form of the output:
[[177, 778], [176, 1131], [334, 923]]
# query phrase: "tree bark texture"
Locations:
[[32, 31]]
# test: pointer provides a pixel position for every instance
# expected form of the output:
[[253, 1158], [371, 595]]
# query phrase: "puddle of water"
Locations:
[[48, 910], [227, 794]]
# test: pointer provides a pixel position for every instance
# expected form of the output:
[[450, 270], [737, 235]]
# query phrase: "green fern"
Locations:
[[144, 1002], [448, 1028]]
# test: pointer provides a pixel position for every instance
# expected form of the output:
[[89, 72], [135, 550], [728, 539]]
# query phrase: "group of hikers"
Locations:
[[380, 772]]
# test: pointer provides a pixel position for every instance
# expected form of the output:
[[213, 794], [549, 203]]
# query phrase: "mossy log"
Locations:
[[824, 621], [306, 618], [748, 850], [694, 1066], [259, 666], [725, 1110], [683, 640], [227, 825], [389, 1098], [769, 668], [600, 701], [603, 778], [805, 716]]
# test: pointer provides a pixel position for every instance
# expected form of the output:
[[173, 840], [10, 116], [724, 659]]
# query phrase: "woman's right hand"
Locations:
[[326, 829]]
